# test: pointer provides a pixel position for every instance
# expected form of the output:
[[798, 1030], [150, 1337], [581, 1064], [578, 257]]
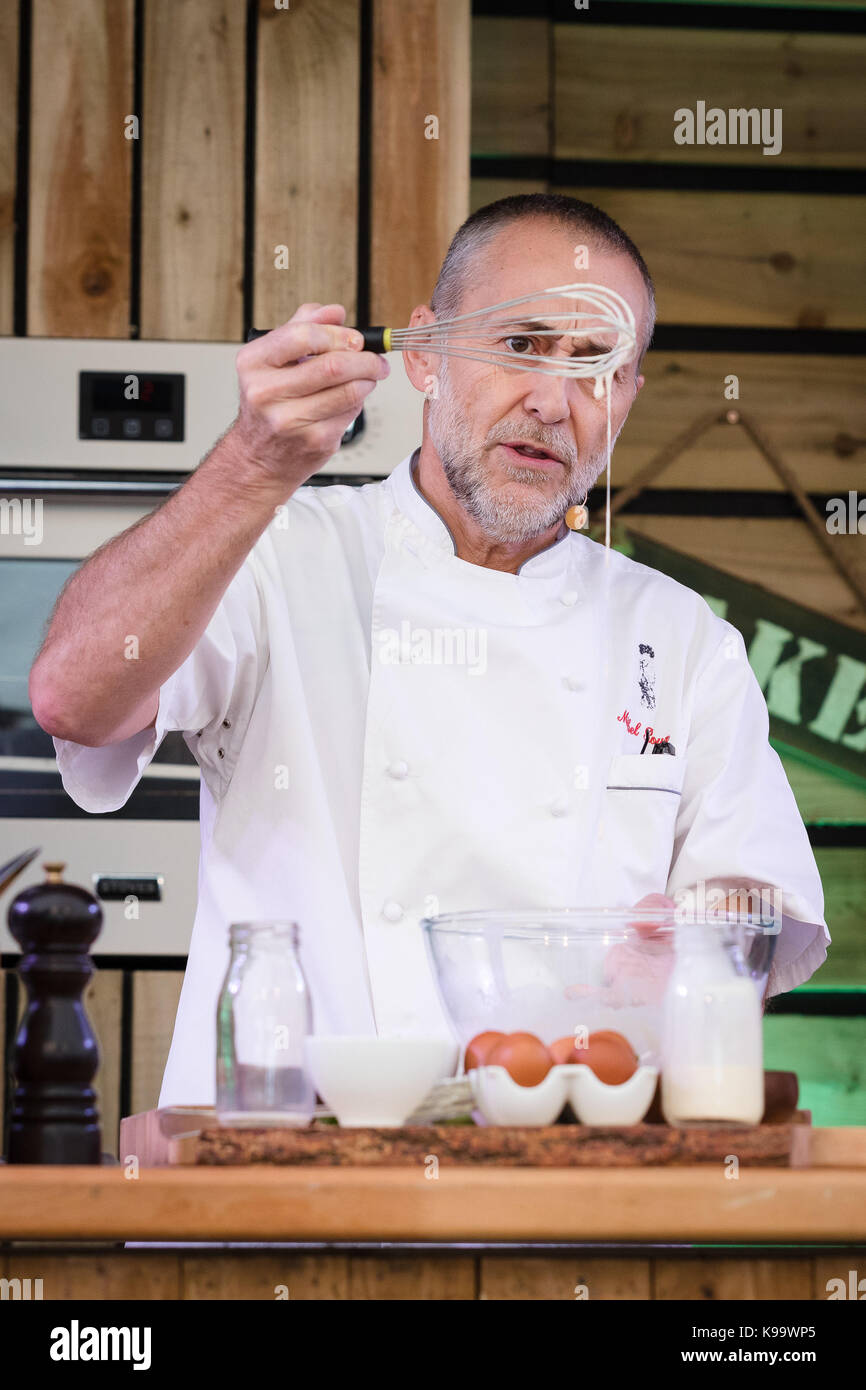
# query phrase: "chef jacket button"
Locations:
[[569, 598], [572, 682], [227, 723], [398, 770], [559, 807], [391, 910], [221, 752]]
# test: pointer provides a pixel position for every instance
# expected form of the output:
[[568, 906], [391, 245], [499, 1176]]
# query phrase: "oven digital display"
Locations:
[[131, 406]]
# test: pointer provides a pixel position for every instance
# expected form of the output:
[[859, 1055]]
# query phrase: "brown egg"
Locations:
[[610, 1056], [524, 1057], [479, 1047], [564, 1052]]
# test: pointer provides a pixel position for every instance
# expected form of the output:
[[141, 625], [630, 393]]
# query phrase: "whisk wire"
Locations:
[[608, 311]]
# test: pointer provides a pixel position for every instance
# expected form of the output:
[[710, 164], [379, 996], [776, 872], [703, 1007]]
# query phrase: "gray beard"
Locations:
[[503, 516]]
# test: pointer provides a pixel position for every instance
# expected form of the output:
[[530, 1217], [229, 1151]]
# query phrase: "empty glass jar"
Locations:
[[263, 1016]]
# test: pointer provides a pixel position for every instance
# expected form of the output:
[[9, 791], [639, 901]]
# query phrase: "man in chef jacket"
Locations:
[[427, 693]]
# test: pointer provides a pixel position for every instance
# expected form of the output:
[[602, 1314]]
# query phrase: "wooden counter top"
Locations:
[[262, 1203]]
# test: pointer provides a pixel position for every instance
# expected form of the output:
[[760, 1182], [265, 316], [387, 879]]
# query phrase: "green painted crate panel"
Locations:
[[829, 1057]]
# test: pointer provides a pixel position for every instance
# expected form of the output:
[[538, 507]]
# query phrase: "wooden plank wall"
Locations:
[[153, 229], [306, 169], [422, 50], [617, 88], [193, 110], [79, 209], [213, 1275], [154, 1006], [722, 257], [769, 260]]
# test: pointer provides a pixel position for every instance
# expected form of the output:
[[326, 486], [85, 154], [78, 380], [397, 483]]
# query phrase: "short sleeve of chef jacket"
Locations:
[[738, 821], [219, 681]]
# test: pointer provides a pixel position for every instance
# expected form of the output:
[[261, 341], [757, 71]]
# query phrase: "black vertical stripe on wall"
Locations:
[[365, 136], [22, 170], [249, 253], [551, 95], [136, 170], [126, 1009]]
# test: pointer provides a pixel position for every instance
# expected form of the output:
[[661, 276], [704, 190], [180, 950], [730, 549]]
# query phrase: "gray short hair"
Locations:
[[584, 219]]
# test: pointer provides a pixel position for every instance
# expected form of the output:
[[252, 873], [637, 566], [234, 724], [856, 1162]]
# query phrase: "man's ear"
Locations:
[[421, 366], [639, 384]]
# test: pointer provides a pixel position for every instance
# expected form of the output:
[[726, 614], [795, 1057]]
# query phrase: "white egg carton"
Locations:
[[502, 1101]]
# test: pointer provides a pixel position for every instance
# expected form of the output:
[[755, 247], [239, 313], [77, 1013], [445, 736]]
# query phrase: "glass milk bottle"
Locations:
[[712, 1042], [263, 1016]]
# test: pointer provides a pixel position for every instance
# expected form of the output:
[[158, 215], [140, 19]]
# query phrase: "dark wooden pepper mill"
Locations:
[[55, 1118]]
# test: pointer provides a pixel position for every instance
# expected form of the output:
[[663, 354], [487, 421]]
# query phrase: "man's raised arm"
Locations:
[[162, 579]]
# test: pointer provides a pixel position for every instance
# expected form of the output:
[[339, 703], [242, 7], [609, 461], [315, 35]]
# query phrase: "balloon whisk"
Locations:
[[602, 331]]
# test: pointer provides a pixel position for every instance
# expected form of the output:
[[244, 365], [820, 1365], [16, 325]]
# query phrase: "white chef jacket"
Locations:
[[385, 730]]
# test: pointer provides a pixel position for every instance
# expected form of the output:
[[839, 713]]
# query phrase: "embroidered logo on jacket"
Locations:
[[647, 677]]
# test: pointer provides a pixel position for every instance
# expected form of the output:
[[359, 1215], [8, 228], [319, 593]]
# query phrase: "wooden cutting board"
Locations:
[[512, 1146], [191, 1135]]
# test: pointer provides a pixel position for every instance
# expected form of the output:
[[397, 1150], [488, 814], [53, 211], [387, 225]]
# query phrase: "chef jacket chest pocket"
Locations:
[[642, 799]]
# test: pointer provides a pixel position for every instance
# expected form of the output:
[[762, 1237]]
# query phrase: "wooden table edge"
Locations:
[[262, 1203]]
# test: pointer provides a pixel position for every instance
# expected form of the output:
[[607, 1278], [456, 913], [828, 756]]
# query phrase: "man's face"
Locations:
[[479, 408]]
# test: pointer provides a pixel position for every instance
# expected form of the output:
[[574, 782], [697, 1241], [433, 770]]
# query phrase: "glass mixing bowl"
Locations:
[[550, 972]]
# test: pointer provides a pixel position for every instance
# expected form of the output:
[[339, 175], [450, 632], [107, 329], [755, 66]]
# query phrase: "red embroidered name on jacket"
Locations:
[[625, 718]]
